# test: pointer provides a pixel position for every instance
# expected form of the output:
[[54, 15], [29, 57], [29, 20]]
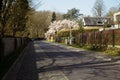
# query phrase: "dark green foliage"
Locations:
[[53, 17], [72, 14]]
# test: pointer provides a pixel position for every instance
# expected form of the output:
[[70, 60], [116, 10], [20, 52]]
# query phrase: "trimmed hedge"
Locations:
[[66, 33]]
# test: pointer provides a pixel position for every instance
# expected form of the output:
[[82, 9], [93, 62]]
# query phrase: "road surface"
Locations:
[[50, 61]]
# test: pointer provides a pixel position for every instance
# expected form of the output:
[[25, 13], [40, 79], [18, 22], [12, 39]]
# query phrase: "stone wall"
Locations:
[[9, 45]]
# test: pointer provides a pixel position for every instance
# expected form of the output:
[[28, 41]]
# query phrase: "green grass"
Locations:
[[8, 61], [114, 51]]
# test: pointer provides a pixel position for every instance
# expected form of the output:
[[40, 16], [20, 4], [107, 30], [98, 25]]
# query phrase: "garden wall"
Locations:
[[9, 44]]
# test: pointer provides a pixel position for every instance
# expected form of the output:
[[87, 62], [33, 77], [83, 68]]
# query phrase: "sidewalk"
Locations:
[[12, 72]]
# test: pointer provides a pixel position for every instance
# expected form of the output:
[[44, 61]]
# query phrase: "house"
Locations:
[[96, 22], [116, 20]]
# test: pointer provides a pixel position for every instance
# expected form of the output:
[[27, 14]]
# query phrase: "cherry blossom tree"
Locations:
[[60, 25]]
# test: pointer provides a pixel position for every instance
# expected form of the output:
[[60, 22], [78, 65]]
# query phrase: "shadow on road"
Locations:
[[43, 57]]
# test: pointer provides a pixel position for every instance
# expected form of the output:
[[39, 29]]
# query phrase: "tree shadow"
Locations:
[[43, 57], [72, 60]]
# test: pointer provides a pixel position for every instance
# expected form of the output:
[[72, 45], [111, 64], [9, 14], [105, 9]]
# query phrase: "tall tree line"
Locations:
[[13, 16], [39, 21]]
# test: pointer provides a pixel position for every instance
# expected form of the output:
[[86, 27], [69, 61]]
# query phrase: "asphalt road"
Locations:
[[50, 61]]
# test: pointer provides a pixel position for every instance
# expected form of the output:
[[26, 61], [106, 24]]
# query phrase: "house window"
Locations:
[[99, 23]]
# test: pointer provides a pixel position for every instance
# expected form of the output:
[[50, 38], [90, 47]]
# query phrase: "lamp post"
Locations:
[[70, 25], [70, 35]]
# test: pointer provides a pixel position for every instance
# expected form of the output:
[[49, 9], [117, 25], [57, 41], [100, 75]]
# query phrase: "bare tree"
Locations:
[[98, 8], [111, 11]]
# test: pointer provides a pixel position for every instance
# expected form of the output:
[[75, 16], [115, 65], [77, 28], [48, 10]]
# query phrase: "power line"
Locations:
[[37, 5]]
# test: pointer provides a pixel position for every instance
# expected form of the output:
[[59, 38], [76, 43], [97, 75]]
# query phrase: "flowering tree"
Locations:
[[60, 25]]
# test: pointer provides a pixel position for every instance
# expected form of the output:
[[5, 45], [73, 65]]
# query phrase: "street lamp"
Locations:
[[70, 25], [70, 35]]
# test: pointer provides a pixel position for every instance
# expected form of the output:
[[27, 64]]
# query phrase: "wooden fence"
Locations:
[[99, 38]]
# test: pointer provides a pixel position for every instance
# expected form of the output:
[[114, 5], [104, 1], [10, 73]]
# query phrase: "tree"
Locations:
[[59, 16], [60, 25], [13, 17], [1, 5], [111, 11], [118, 6], [5, 14], [80, 23], [53, 17], [38, 23], [20, 9], [72, 14], [98, 8]]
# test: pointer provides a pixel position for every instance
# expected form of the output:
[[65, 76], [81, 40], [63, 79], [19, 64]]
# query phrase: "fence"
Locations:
[[8, 45], [99, 38]]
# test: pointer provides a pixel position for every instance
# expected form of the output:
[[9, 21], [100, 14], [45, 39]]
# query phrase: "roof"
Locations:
[[94, 21]]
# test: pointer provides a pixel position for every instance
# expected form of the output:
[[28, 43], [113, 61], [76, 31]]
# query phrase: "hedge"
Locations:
[[66, 33]]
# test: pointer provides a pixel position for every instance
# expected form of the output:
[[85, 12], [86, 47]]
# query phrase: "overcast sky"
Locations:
[[85, 6]]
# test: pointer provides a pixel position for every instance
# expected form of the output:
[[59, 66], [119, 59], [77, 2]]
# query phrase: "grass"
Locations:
[[113, 51], [8, 61]]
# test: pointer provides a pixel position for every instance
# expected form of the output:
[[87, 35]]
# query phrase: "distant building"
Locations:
[[95, 22], [117, 20]]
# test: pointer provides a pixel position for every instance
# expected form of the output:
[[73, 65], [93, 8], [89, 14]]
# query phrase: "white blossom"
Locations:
[[61, 25]]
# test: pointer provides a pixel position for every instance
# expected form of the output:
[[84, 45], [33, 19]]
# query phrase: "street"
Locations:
[[50, 61]]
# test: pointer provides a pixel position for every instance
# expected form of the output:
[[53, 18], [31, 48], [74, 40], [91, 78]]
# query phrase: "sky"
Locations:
[[62, 6]]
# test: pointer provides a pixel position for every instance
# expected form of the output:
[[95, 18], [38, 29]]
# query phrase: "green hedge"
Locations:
[[66, 33]]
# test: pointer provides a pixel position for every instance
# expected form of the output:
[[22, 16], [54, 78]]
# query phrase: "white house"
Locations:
[[95, 22]]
